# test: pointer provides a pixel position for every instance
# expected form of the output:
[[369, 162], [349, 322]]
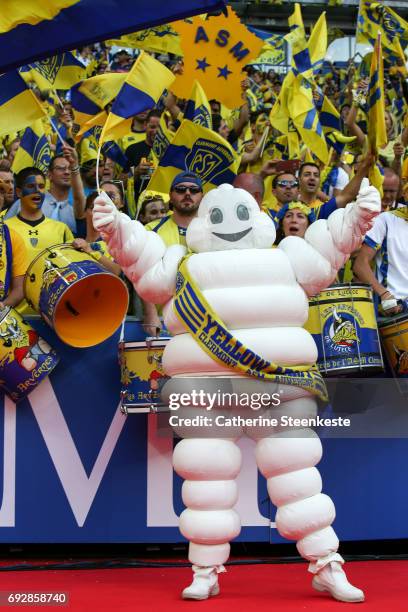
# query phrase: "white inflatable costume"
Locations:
[[261, 294]]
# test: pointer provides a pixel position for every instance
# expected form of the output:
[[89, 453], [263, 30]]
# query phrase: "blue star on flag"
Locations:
[[202, 64], [224, 72]]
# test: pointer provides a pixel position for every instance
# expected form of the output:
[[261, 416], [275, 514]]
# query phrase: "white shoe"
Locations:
[[205, 583], [332, 578]]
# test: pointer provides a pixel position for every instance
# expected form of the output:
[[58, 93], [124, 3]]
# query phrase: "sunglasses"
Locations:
[[185, 188], [290, 184]]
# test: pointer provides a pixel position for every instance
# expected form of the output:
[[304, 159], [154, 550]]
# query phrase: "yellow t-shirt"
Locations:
[[36, 237], [39, 235], [168, 230], [19, 254]]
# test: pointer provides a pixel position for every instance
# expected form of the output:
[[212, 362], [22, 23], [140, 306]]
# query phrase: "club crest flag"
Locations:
[[141, 90], [200, 150], [34, 149], [162, 39], [56, 72], [215, 52]]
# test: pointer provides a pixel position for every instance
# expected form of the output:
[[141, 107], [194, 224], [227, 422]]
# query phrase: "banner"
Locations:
[[32, 31]]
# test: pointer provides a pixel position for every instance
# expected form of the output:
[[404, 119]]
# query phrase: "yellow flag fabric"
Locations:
[[161, 39], [102, 88], [272, 52], [200, 150], [374, 17], [97, 120], [318, 42], [198, 108], [26, 11], [34, 149], [377, 133], [142, 88], [306, 118], [57, 72], [19, 107]]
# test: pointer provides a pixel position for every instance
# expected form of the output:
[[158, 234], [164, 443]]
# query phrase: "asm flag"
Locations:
[[32, 31], [199, 150]]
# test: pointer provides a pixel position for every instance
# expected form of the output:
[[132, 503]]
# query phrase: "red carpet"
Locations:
[[248, 588]]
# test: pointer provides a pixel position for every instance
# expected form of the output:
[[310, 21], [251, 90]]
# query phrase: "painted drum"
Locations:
[[25, 358], [343, 325], [75, 295], [141, 372], [394, 337]]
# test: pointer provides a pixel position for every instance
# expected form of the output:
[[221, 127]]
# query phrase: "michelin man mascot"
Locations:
[[249, 301]]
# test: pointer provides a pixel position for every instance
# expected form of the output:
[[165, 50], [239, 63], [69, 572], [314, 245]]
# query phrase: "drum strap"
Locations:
[[212, 335], [6, 263]]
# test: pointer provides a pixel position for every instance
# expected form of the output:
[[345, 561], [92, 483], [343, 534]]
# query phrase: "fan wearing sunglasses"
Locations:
[[285, 188], [186, 193]]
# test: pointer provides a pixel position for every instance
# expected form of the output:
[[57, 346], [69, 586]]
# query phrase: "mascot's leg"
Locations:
[[304, 513], [209, 467]]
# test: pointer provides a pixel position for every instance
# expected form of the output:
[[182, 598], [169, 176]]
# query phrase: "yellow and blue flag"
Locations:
[[377, 132], [306, 119], [92, 95], [19, 107], [308, 55], [141, 90], [34, 149], [198, 108], [200, 150], [162, 39], [31, 31], [374, 17], [56, 72], [162, 139], [376, 129]]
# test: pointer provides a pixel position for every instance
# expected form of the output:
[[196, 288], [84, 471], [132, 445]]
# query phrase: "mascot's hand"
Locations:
[[369, 199], [105, 214]]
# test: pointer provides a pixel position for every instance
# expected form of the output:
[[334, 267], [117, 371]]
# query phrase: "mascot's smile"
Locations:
[[233, 237]]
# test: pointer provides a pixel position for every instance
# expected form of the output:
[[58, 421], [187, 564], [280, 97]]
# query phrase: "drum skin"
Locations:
[[25, 358], [343, 324], [75, 295]]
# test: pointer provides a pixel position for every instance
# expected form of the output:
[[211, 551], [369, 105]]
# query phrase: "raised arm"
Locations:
[[328, 244], [142, 255]]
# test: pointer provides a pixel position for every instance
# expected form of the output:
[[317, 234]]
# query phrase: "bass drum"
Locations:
[[343, 325], [75, 295]]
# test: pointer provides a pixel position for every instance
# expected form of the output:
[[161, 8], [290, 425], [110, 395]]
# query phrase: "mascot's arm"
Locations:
[[328, 244], [141, 254]]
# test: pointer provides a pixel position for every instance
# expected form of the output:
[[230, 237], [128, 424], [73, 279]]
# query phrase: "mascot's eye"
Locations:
[[216, 216], [242, 212]]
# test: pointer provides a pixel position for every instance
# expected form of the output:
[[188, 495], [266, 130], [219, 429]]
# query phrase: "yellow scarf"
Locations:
[[211, 334]]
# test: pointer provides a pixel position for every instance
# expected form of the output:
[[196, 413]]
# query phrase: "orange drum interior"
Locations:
[[91, 310]]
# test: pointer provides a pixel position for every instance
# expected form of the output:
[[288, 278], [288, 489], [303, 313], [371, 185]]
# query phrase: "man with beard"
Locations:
[[186, 193]]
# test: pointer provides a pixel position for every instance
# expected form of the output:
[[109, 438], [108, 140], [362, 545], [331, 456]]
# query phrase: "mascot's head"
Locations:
[[229, 218]]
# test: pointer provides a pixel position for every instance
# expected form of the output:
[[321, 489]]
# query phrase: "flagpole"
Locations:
[[57, 132]]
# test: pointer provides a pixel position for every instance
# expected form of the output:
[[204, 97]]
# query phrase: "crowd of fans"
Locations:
[[45, 208]]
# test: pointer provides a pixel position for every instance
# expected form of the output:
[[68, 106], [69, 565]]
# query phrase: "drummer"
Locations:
[[386, 242], [36, 231]]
